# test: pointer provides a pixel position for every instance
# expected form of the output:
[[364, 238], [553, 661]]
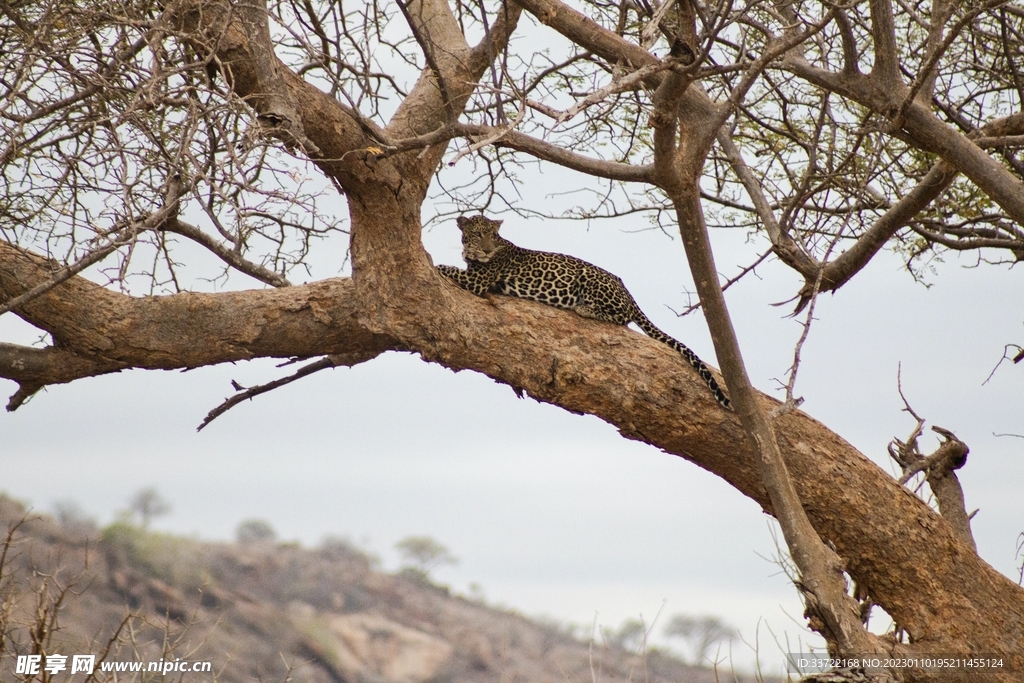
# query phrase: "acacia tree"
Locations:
[[141, 136]]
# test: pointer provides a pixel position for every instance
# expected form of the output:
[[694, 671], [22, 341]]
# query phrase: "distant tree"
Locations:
[[700, 634], [423, 554], [147, 503], [339, 548], [630, 635], [255, 531], [71, 517], [67, 512]]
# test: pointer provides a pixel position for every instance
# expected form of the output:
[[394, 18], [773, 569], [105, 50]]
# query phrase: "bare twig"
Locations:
[[493, 137], [245, 394], [174, 190], [728, 283], [1016, 358], [629, 81], [791, 403]]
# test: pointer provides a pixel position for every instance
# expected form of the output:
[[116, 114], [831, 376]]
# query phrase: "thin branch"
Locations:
[[630, 81], [1016, 358], [1003, 141], [790, 402], [730, 282], [883, 33], [493, 137], [277, 109], [229, 256], [649, 36], [925, 74], [245, 394], [782, 243], [427, 47], [504, 137], [174, 190]]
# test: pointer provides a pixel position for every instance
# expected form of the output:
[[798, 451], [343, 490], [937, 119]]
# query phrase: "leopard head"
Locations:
[[480, 239]]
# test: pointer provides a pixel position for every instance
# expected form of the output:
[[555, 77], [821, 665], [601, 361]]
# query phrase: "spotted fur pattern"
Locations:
[[497, 266]]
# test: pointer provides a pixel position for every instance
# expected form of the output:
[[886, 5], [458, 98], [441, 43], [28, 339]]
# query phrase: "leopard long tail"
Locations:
[[654, 333]]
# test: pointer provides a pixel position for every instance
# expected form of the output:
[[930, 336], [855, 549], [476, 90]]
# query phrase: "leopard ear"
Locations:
[[461, 222]]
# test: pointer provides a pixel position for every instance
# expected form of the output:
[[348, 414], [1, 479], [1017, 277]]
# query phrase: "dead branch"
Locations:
[[245, 394]]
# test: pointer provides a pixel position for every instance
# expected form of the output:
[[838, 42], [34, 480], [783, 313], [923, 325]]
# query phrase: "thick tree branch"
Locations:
[[396, 300], [665, 122], [167, 214], [949, 457], [110, 331], [540, 149], [850, 65], [838, 272], [558, 154], [215, 31], [941, 11], [439, 38], [832, 611], [886, 71], [271, 98], [989, 175], [34, 369], [587, 33], [971, 243], [484, 54]]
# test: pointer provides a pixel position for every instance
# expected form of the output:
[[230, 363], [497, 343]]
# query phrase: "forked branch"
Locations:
[[939, 469]]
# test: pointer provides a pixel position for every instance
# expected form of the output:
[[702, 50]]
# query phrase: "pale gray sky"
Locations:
[[550, 513]]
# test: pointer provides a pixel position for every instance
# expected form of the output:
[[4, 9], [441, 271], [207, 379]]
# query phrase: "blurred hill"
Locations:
[[271, 612]]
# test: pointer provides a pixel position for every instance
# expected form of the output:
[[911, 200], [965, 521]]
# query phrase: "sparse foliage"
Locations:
[[59, 596], [148, 504], [255, 531], [702, 634], [630, 635], [70, 515], [424, 554]]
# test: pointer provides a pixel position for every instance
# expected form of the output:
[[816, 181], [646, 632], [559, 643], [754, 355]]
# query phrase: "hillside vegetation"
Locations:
[[270, 612]]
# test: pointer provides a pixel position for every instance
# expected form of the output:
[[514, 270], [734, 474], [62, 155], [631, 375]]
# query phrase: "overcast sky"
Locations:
[[550, 513]]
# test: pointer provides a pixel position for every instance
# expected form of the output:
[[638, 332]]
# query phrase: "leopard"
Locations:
[[497, 266]]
